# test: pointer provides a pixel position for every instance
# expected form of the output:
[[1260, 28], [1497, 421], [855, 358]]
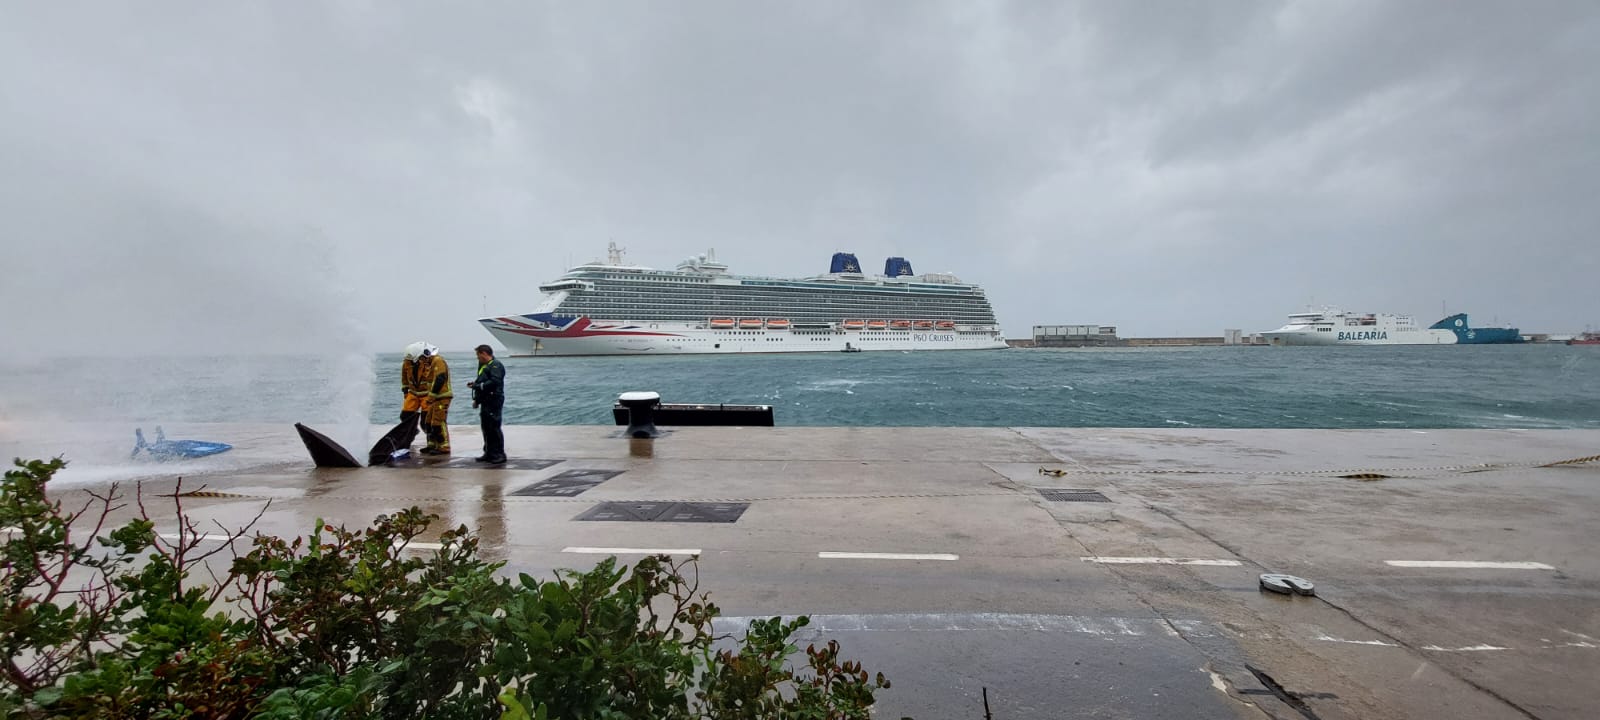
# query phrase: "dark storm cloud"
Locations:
[[384, 171]]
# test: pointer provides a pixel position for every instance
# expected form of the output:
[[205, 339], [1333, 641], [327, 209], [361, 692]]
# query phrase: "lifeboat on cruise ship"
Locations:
[[750, 324], [778, 323], [853, 324], [900, 324], [946, 324], [877, 324], [721, 323], [922, 324]]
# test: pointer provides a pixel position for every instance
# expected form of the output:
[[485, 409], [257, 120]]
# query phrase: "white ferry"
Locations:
[[613, 308], [1336, 327]]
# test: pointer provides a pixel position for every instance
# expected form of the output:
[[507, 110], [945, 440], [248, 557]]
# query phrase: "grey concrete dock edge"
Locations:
[[1456, 575]]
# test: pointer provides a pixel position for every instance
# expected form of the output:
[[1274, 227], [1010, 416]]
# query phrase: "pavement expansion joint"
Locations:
[[1353, 473], [1293, 700], [512, 497], [1072, 495]]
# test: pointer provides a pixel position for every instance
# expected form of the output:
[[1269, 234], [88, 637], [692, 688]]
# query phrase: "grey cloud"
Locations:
[[1172, 168]]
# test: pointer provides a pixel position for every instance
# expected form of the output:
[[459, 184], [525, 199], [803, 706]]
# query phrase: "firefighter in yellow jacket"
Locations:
[[436, 415], [411, 382]]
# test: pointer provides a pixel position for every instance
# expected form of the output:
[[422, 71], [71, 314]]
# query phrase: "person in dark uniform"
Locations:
[[489, 397]]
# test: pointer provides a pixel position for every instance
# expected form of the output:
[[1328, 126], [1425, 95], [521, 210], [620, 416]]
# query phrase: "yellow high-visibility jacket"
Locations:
[[411, 376], [436, 374]]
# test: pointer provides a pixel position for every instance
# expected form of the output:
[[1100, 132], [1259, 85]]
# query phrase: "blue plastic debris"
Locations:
[[164, 449]]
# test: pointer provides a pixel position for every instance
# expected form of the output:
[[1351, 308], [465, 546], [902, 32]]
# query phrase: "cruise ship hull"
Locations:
[[611, 308], [526, 335]]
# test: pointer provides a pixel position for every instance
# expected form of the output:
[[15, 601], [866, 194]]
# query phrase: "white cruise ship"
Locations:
[[612, 308], [1336, 327]]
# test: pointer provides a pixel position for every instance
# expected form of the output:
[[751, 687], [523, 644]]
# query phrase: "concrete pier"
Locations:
[[1456, 575]]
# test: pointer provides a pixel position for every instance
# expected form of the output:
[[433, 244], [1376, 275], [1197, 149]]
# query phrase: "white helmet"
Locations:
[[416, 349]]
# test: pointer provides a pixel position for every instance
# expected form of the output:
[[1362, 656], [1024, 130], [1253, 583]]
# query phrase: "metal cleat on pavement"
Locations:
[[1287, 585]]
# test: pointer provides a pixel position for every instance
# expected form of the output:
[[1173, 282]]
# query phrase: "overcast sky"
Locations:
[[176, 176]]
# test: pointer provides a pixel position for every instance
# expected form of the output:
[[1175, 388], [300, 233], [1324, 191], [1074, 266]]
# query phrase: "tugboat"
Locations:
[[1588, 338], [849, 348]]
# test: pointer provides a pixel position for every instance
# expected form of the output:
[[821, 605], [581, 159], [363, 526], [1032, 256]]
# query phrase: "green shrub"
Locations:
[[348, 624]]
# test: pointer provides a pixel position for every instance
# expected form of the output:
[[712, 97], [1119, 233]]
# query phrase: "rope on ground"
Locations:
[[1574, 461]]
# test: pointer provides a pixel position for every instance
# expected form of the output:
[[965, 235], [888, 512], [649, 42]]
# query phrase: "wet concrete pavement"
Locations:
[[1462, 584]]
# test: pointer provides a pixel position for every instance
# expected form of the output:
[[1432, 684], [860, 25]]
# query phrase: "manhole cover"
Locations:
[[704, 512], [650, 511], [570, 483], [585, 475], [1072, 495], [626, 511], [554, 489]]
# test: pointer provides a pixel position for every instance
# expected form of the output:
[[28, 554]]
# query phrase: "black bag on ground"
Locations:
[[398, 438]]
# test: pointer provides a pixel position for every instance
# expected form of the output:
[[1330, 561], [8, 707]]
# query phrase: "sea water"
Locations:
[[1521, 386]]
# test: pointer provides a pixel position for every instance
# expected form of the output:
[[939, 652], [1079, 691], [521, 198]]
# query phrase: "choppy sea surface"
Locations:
[[1530, 386]]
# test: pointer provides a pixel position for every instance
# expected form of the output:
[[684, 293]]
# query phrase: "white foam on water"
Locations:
[[241, 326]]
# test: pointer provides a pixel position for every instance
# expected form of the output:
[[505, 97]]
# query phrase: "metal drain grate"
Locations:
[[585, 475], [570, 483], [1072, 495], [661, 511]]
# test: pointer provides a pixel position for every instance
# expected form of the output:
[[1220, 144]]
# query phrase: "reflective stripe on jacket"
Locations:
[[436, 376], [411, 376]]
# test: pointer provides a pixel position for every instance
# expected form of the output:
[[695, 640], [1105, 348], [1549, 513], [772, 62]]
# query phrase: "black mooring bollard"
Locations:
[[641, 413]]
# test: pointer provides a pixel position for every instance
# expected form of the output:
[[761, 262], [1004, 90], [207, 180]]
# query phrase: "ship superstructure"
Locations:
[[1332, 326], [613, 308]]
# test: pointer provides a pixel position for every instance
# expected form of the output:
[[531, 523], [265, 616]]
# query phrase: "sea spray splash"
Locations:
[[350, 378], [216, 324]]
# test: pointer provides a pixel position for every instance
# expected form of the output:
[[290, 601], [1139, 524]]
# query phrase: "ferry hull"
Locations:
[[522, 337], [1291, 336], [1337, 328]]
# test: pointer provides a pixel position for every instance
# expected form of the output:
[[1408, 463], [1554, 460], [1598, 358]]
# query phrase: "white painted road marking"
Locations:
[[631, 551], [1108, 627], [1324, 637], [1469, 564], [963, 622], [201, 537], [1159, 561], [886, 556]]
